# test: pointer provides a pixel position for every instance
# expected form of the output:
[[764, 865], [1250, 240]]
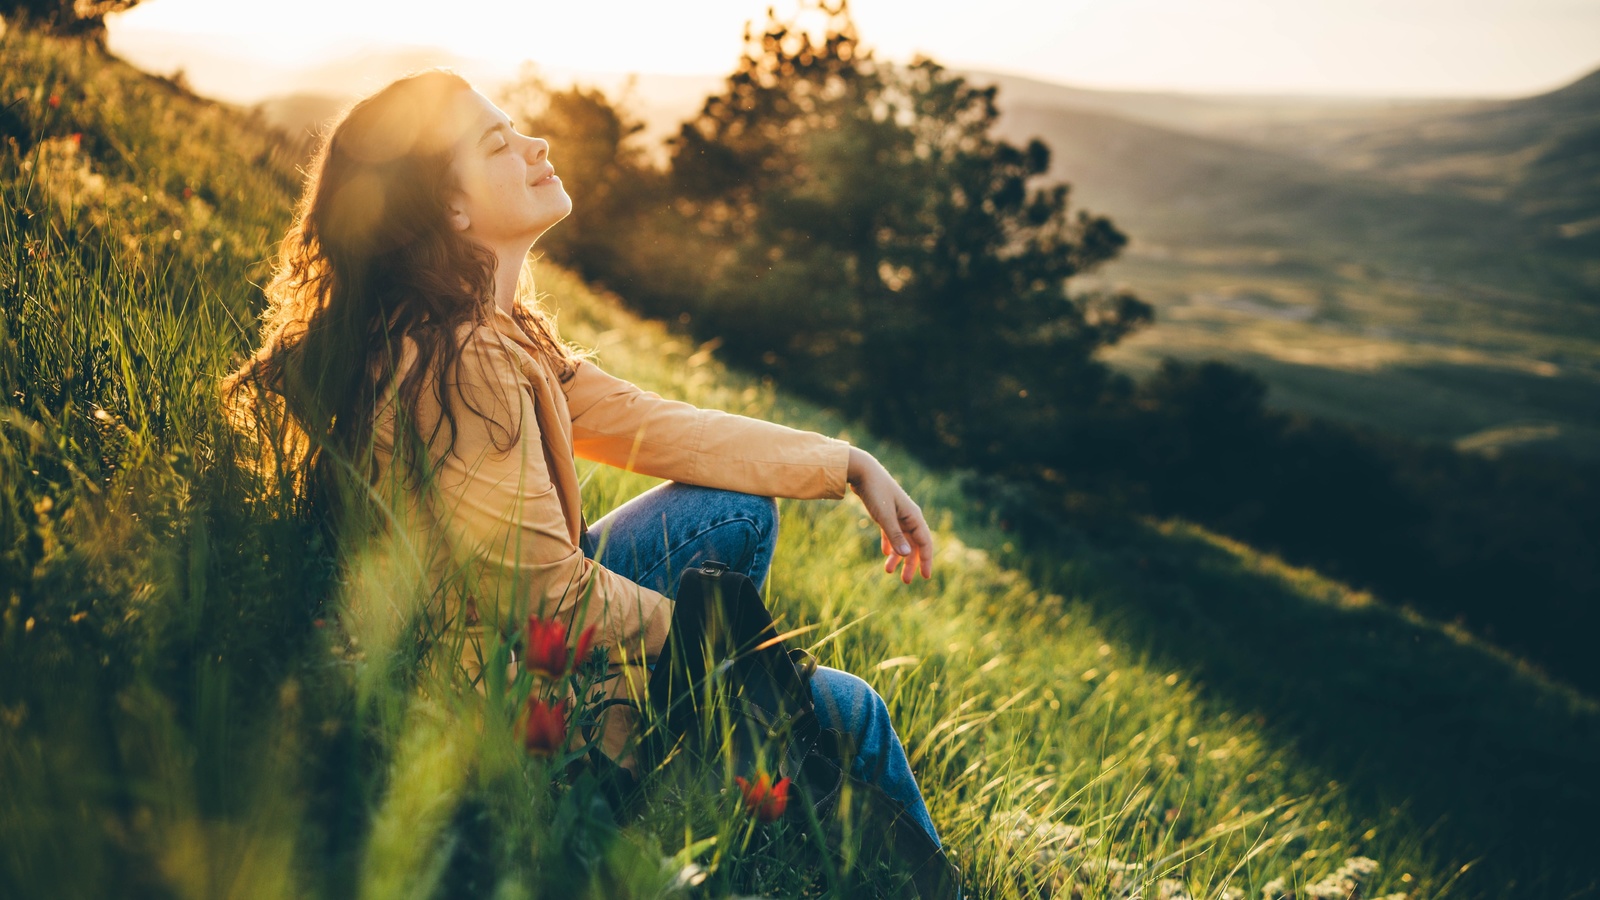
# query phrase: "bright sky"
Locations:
[[1367, 47]]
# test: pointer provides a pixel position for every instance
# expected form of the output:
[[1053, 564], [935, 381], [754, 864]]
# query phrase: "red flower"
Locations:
[[763, 799], [187, 193], [547, 647], [77, 139], [585, 644], [55, 101], [546, 728]]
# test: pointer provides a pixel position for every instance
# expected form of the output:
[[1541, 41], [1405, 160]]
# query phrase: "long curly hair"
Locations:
[[371, 270]]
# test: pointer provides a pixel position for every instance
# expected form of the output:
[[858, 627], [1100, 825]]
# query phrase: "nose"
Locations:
[[538, 149]]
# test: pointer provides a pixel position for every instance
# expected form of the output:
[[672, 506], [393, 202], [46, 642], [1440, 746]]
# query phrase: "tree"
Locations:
[[857, 229]]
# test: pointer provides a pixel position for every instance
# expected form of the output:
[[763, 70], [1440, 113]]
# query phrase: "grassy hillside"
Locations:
[[198, 701]]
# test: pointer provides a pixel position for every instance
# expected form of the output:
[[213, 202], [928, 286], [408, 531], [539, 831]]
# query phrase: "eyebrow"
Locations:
[[498, 126]]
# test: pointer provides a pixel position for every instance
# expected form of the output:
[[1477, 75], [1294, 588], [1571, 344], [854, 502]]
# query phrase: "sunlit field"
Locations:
[[199, 697]]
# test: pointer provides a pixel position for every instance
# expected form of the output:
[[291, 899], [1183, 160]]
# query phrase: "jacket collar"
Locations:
[[506, 325]]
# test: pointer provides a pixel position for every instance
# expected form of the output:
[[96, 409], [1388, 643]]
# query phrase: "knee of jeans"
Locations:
[[763, 512], [854, 701], [762, 515]]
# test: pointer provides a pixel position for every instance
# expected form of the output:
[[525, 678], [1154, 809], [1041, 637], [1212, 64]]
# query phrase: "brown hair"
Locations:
[[371, 265]]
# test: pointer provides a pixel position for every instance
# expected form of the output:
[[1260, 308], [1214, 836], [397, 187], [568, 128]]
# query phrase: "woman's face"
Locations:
[[506, 191]]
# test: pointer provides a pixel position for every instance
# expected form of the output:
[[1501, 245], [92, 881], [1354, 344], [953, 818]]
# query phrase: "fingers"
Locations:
[[908, 565], [905, 564], [915, 528], [914, 540], [886, 543], [890, 538], [923, 535], [888, 517], [905, 538]]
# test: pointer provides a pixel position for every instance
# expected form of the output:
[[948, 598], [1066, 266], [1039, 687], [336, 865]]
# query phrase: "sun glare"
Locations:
[[1474, 47], [627, 36]]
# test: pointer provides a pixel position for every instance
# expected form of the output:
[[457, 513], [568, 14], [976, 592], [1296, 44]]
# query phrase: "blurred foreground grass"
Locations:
[[198, 700]]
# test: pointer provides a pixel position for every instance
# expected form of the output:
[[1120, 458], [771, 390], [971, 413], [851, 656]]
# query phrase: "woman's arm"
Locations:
[[617, 423]]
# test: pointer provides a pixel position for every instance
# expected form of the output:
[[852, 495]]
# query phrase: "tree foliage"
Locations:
[[859, 230], [82, 17]]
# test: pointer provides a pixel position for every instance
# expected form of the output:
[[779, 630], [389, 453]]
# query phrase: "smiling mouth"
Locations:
[[548, 179]]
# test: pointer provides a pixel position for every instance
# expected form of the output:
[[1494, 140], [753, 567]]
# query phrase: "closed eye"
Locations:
[[500, 130]]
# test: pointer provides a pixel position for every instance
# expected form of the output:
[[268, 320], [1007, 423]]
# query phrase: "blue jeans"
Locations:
[[654, 537]]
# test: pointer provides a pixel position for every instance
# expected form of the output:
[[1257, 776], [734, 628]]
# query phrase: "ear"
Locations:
[[455, 206]]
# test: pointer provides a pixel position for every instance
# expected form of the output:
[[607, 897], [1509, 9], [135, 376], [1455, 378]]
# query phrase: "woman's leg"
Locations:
[[850, 705], [667, 529], [654, 537]]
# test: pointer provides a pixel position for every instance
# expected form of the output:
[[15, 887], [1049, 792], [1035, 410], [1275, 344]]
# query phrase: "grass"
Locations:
[[199, 700]]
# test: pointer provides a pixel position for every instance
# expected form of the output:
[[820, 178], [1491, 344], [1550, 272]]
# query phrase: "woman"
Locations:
[[398, 346]]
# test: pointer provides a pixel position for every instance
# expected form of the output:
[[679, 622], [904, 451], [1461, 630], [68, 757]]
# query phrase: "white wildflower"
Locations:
[[1332, 888], [1277, 889], [1346, 881], [1359, 868]]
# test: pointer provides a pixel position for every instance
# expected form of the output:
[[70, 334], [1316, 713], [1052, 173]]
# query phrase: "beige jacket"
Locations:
[[507, 498]]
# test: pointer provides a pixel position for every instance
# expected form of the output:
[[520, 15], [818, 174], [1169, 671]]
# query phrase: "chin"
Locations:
[[540, 232], [557, 214]]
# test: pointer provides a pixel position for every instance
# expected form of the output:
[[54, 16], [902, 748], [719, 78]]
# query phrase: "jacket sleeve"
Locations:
[[500, 506], [618, 424]]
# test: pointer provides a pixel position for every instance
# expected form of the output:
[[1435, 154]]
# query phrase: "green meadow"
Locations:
[[199, 698]]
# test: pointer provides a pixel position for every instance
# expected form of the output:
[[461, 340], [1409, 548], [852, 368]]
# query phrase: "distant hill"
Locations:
[[1171, 187], [1423, 267], [301, 113], [1249, 116], [1540, 155]]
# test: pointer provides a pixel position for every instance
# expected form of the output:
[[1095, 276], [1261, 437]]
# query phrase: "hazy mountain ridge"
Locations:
[[1422, 267], [1540, 154], [1166, 185], [1225, 115]]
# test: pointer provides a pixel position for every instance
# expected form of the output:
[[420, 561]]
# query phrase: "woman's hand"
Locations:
[[907, 540]]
